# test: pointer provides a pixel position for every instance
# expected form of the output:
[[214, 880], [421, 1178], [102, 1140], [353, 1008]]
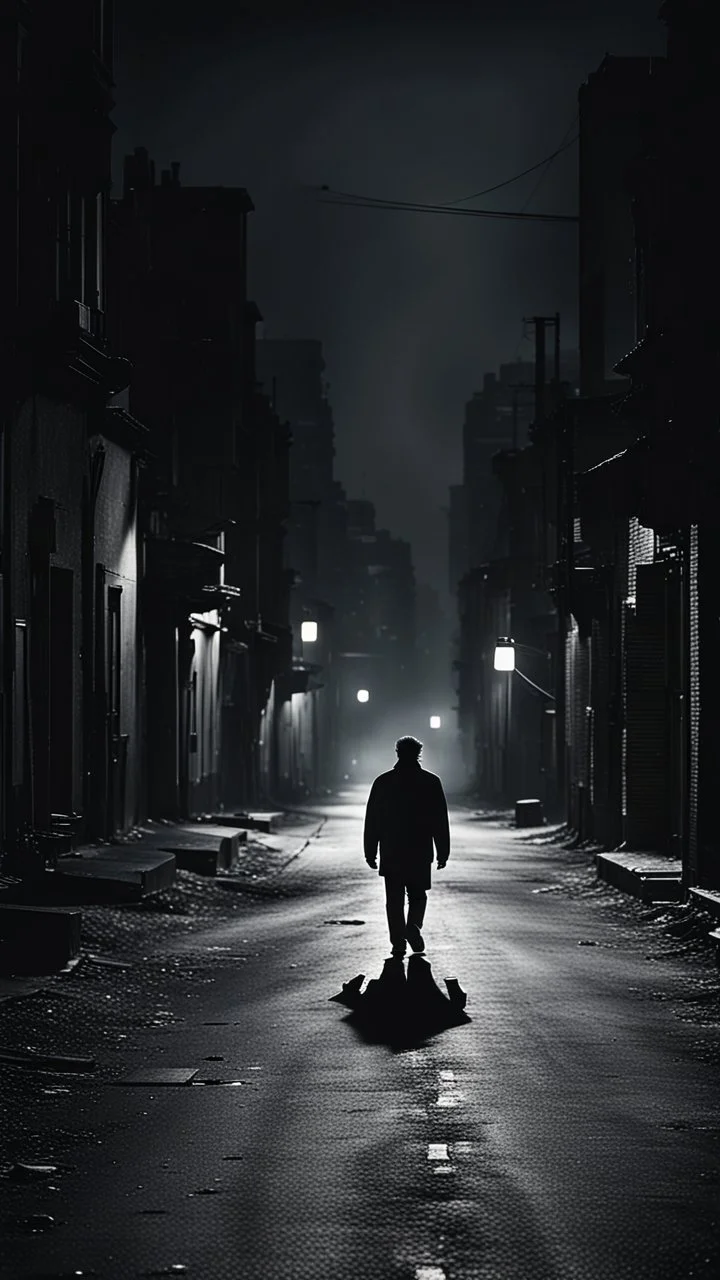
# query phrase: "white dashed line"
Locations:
[[438, 1151]]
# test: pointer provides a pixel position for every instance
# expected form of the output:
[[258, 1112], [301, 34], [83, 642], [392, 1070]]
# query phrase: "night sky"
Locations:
[[414, 101]]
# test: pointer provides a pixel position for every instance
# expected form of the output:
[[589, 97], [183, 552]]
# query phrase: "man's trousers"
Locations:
[[395, 890]]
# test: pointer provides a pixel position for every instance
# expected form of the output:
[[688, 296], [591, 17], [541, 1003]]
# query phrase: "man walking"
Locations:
[[406, 812]]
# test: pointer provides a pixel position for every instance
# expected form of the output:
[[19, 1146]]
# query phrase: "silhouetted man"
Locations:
[[406, 812]]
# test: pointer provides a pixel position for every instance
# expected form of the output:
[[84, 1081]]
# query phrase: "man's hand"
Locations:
[[372, 862], [441, 865]]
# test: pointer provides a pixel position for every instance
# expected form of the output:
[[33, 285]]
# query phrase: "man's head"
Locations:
[[408, 750]]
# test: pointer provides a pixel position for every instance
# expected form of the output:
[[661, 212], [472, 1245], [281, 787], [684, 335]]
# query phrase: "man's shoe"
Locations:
[[415, 938]]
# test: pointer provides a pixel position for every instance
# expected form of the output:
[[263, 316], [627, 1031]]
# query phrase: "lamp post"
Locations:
[[363, 695], [435, 722], [504, 660], [308, 631]]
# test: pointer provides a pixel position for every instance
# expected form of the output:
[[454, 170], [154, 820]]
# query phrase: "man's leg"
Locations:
[[395, 906], [417, 902]]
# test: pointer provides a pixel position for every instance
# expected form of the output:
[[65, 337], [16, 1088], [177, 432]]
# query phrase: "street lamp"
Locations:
[[362, 695], [504, 660], [435, 722], [309, 632], [504, 656]]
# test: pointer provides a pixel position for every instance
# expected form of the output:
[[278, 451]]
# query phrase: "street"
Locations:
[[570, 1129]]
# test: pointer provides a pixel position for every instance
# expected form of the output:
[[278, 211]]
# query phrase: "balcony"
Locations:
[[72, 357], [187, 571]]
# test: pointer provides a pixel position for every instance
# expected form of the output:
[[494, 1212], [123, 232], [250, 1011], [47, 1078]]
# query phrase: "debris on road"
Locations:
[[31, 1172], [160, 1076], [106, 962], [45, 1061]]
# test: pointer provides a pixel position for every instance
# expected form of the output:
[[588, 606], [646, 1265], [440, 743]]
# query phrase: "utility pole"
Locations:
[[541, 324]]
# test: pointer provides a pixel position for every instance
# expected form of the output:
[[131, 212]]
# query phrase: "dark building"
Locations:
[[375, 631], [618, 106], [291, 374], [71, 739], [495, 418], [639, 554], [458, 537], [508, 734], [216, 614]]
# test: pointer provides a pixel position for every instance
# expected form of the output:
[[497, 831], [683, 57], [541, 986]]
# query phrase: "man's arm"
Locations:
[[441, 833], [371, 831]]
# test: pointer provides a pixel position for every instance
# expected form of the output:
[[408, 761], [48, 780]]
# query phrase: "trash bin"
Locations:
[[529, 813]]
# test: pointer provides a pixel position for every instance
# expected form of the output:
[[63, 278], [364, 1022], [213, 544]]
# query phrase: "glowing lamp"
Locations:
[[309, 632], [504, 658], [435, 722], [363, 695]]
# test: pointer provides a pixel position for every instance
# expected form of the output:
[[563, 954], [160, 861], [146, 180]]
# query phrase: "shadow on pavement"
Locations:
[[403, 1011]]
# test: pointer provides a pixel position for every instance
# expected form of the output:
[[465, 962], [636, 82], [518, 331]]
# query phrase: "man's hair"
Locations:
[[408, 748]]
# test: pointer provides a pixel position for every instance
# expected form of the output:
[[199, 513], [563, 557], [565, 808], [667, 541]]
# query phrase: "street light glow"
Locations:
[[435, 722], [309, 632], [363, 695], [504, 658]]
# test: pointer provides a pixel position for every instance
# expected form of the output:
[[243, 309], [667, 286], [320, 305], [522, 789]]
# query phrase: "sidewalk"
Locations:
[[640, 888], [106, 892]]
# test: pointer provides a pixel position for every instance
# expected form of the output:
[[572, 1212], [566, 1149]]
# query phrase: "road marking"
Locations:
[[449, 1100], [438, 1151], [430, 1273], [447, 1075]]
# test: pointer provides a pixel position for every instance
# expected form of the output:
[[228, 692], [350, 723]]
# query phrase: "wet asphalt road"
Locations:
[[570, 1129]]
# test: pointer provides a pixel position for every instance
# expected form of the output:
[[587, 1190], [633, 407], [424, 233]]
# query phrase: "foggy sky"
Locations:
[[414, 101]]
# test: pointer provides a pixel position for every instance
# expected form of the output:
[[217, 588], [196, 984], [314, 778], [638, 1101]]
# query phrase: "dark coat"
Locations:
[[406, 812]]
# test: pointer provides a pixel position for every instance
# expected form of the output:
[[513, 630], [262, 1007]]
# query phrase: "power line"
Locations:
[[508, 181], [407, 206], [362, 201], [563, 146]]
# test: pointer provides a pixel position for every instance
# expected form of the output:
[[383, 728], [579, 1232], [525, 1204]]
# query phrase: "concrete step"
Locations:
[[646, 875], [265, 821], [707, 900], [203, 847], [116, 872], [37, 940]]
